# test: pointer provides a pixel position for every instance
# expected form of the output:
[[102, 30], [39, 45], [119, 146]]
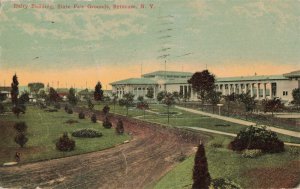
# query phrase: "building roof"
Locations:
[[293, 74], [136, 81], [251, 78], [168, 73]]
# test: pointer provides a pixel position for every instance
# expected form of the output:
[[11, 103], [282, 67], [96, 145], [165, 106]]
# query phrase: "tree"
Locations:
[[229, 98], [53, 96], [42, 94], [169, 101], [72, 97], [120, 127], [201, 176], [248, 101], [114, 99], [90, 104], [14, 90], [142, 104], [35, 87], [21, 139], [127, 101], [296, 97], [105, 110], [150, 93], [202, 83], [214, 98], [161, 95], [272, 105], [98, 94]]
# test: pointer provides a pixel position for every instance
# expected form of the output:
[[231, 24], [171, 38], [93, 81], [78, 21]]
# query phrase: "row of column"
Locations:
[[254, 88]]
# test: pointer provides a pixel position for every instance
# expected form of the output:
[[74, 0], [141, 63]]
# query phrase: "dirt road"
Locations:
[[152, 152]]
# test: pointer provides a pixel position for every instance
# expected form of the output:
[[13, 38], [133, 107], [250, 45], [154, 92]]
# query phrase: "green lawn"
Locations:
[[44, 128], [224, 163], [157, 114]]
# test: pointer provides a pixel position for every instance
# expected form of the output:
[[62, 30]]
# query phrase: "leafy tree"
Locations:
[[202, 83], [127, 101], [90, 104], [201, 176], [24, 98], [296, 97], [98, 94], [3, 97], [114, 100], [161, 95], [176, 95], [14, 90], [142, 104], [169, 101], [248, 101], [272, 105], [42, 94], [150, 93], [53, 96], [21, 139], [106, 109], [35, 87], [2, 108], [120, 127], [214, 98], [72, 97], [229, 98]]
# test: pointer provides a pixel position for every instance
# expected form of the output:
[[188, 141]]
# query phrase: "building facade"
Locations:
[[261, 87]]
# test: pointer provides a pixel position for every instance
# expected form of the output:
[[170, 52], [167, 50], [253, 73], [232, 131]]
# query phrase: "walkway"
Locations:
[[227, 134], [241, 122]]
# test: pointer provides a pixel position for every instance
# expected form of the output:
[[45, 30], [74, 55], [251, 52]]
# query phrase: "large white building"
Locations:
[[260, 86]]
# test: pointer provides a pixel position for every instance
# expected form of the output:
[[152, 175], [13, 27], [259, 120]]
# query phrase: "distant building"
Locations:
[[5, 91], [261, 87]]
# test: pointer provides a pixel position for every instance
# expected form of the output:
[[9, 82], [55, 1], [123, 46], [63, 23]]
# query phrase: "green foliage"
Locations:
[[106, 123], [72, 97], [20, 127], [296, 96], [90, 104], [2, 108], [86, 133], [35, 87], [257, 138], [106, 109], [248, 101], [65, 143], [127, 101], [120, 127], [293, 150], [150, 93], [272, 105], [21, 139], [161, 95], [252, 153], [201, 176], [70, 111], [94, 118], [221, 183], [81, 115], [53, 96], [98, 94], [203, 83], [169, 100], [57, 105], [3, 97], [14, 90]]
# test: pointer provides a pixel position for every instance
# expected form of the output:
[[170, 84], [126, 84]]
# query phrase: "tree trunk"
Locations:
[[168, 115]]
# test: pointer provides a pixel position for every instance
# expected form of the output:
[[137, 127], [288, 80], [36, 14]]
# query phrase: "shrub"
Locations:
[[216, 145], [86, 133], [81, 115], [66, 108], [21, 139], [64, 143], [120, 127], [293, 150], [221, 183], [201, 176], [257, 138], [106, 109], [2, 109], [70, 111], [251, 153], [20, 127], [107, 124], [51, 110], [94, 118]]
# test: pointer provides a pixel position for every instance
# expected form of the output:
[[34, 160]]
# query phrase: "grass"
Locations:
[[183, 118], [224, 163], [44, 128]]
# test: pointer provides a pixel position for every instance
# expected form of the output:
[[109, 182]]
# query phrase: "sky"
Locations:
[[80, 46]]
